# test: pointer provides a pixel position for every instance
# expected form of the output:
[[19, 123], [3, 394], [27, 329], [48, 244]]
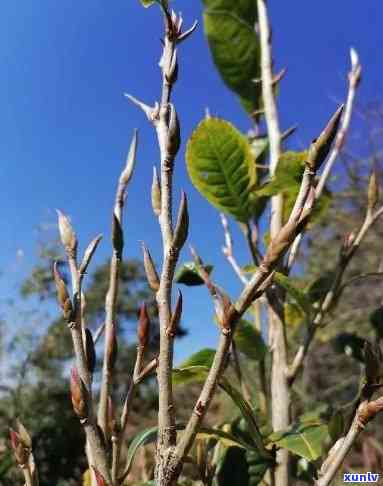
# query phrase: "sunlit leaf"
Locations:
[[234, 44], [221, 166]]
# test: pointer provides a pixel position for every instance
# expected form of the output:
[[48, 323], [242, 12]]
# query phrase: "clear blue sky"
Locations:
[[65, 126]]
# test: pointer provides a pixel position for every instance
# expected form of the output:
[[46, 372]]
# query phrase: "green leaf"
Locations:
[[249, 341], [147, 3], [187, 274], [142, 438], [229, 28], [288, 175], [295, 292], [336, 426], [204, 357], [248, 414], [221, 167], [319, 287], [304, 439], [191, 374]]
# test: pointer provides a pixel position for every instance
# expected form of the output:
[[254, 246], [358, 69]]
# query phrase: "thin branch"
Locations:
[[331, 295], [227, 250], [366, 412], [111, 297], [353, 78], [254, 289], [72, 312]]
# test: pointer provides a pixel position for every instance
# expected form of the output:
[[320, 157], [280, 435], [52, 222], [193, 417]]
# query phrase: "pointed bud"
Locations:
[[21, 452], [111, 348], [347, 244], [127, 173], [62, 294], [78, 395], [156, 194], [24, 436], [100, 480], [143, 328], [182, 226], [67, 234], [373, 188], [89, 252], [355, 74], [90, 351], [176, 317], [321, 146], [174, 138], [150, 270], [117, 236]]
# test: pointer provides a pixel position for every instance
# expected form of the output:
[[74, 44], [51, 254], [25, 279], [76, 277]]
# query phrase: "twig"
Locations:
[[82, 379], [227, 250], [353, 82], [111, 297], [366, 412], [165, 120], [354, 79], [255, 287], [331, 294]]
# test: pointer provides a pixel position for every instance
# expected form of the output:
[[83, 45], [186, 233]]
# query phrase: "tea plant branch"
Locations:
[[110, 347], [229, 314], [354, 77], [165, 121], [366, 412], [280, 396], [350, 248], [81, 381]]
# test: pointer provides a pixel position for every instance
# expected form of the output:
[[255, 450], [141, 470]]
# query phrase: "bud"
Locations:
[[156, 194], [78, 395], [24, 436], [355, 74], [174, 135], [143, 328], [182, 226], [373, 188], [117, 236], [347, 244], [150, 270], [127, 173], [89, 252], [90, 351], [176, 317], [321, 146], [67, 234], [62, 294], [100, 480], [20, 451], [111, 348]]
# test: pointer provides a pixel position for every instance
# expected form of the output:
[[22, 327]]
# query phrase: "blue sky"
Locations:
[[65, 126]]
